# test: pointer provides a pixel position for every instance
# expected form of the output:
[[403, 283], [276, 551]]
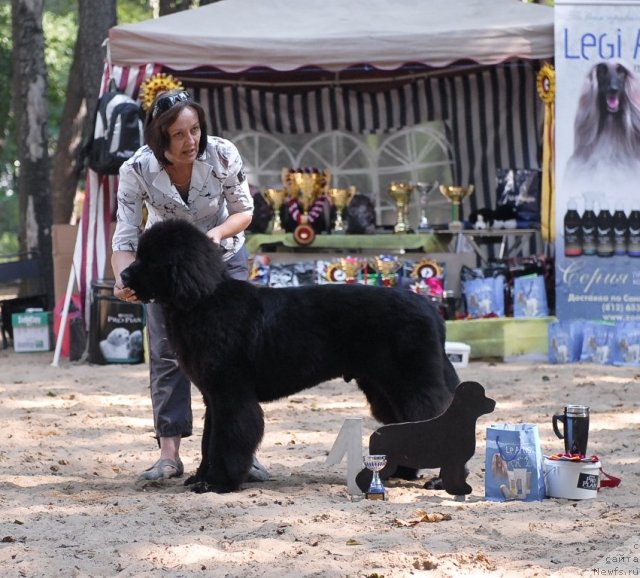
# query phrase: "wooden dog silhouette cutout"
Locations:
[[447, 441]]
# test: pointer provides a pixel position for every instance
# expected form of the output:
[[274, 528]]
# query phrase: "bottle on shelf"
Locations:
[[572, 230], [589, 225], [633, 240], [604, 232], [620, 231]]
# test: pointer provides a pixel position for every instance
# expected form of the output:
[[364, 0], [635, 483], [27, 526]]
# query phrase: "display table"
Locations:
[[510, 240], [432, 242], [427, 242]]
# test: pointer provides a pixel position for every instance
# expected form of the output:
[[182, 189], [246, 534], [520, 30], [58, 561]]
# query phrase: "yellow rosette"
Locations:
[[546, 85], [154, 85]]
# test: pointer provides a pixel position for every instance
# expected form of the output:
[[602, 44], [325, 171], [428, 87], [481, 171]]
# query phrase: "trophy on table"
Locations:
[[456, 195], [275, 198], [387, 266], [401, 194], [424, 190], [340, 199], [352, 267], [305, 186], [375, 463]]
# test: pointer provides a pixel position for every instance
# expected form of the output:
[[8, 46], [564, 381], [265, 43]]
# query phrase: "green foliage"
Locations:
[[60, 25], [134, 11], [60, 31]]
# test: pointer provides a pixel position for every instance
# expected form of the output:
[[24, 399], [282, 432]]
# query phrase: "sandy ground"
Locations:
[[75, 438]]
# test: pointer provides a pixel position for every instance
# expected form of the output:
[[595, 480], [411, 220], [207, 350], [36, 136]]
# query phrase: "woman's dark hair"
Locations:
[[162, 114]]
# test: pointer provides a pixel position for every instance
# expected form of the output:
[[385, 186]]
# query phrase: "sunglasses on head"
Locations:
[[166, 102]]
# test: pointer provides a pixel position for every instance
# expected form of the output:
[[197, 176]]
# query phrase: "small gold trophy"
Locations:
[[401, 194], [456, 195], [387, 266], [340, 198], [352, 267], [275, 198]]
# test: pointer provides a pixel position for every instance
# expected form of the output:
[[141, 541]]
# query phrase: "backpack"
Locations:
[[118, 132]]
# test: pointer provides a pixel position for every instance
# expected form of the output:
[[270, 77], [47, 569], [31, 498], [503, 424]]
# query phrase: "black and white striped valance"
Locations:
[[494, 116]]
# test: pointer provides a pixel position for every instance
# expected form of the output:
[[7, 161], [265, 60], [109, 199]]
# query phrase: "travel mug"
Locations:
[[575, 420]]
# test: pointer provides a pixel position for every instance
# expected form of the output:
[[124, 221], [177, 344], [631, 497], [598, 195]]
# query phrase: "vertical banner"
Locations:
[[597, 62]]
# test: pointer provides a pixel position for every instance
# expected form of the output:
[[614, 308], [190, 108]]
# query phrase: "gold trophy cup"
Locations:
[[387, 266], [275, 198], [340, 199], [352, 267], [456, 195], [305, 185], [401, 194]]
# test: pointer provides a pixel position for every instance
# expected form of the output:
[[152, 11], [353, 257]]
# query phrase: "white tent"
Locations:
[[236, 35], [312, 67], [362, 66]]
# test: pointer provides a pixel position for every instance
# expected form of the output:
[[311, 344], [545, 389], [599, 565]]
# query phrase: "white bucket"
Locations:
[[458, 353], [572, 480]]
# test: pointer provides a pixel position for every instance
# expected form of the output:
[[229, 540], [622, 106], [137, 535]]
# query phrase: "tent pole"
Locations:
[[67, 298]]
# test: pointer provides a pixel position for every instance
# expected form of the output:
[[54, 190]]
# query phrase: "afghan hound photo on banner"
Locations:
[[605, 163]]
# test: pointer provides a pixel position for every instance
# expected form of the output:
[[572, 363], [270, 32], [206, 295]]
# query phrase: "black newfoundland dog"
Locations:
[[242, 345]]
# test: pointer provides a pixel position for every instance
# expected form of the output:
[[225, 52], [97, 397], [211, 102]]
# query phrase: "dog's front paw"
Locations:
[[194, 479]]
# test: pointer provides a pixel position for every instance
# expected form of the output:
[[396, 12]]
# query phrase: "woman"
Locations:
[[181, 173]]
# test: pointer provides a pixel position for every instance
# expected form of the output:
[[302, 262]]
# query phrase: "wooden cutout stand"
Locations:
[[349, 442], [447, 442]]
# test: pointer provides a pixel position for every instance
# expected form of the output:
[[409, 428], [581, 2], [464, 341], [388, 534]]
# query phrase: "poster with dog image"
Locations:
[[116, 328], [597, 148]]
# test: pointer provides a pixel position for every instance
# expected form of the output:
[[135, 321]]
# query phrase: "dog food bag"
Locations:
[[627, 344], [529, 297], [565, 340], [115, 327], [598, 342]]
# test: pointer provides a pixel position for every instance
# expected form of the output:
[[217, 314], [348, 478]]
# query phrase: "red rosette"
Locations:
[[304, 235]]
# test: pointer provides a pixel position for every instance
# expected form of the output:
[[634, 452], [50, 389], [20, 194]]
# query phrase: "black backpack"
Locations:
[[118, 132]]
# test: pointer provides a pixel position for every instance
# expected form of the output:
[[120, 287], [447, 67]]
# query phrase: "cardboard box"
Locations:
[[63, 245], [32, 331]]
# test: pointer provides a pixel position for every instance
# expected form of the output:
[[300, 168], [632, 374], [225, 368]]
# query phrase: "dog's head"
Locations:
[[611, 79], [471, 395], [118, 336], [176, 264]]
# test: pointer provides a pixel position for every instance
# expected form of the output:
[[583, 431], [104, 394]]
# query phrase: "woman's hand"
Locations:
[[215, 235], [124, 293]]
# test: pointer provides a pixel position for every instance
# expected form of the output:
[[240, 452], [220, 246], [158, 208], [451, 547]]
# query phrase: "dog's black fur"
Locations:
[[242, 345], [447, 442]]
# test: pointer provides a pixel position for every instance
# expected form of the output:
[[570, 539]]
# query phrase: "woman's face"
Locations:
[[184, 137]]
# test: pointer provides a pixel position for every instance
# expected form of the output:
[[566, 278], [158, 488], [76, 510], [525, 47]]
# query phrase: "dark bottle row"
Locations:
[[603, 234]]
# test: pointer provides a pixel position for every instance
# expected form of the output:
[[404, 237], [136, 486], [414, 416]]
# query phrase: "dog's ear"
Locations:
[[632, 109], [586, 123]]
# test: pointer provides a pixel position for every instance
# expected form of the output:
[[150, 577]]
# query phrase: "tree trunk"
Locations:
[[95, 19], [30, 109]]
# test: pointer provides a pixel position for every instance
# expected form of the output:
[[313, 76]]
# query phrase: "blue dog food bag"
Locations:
[[598, 342], [627, 343], [529, 297], [565, 340]]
